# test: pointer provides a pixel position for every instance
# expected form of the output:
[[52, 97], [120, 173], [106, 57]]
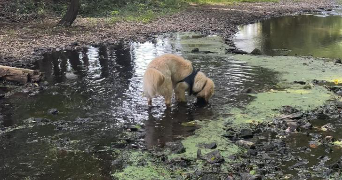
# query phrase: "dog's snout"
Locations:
[[201, 100]]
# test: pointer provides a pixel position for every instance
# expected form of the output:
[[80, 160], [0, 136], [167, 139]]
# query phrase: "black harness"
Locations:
[[190, 81]]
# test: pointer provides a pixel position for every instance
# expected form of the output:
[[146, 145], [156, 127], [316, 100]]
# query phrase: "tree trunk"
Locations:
[[19, 74], [71, 14]]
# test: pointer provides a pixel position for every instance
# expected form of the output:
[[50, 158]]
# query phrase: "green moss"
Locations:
[[140, 165], [266, 105], [210, 131], [296, 68], [304, 97], [143, 172]]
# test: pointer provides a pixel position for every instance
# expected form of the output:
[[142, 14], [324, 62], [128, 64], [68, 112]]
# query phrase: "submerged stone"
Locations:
[[246, 133], [175, 147], [245, 144], [53, 111], [195, 50], [256, 51], [212, 145], [214, 157]]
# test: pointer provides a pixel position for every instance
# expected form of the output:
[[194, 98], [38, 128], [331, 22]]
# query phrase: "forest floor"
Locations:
[[23, 43]]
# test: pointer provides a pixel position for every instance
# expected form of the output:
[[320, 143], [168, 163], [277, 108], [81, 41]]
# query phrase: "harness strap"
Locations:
[[190, 79]]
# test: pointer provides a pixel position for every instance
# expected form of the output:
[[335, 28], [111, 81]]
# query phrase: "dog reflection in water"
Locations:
[[171, 72]]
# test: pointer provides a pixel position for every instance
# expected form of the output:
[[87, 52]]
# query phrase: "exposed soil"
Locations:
[[23, 43]]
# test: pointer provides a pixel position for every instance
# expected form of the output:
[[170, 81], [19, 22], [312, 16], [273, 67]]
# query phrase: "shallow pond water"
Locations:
[[97, 92], [317, 35]]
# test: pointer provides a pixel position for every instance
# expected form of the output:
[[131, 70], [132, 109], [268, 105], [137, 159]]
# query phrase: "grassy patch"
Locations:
[[141, 12]]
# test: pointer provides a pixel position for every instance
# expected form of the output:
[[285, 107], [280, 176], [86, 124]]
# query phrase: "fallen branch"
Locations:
[[19, 74]]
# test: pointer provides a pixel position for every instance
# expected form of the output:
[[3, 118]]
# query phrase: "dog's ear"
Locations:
[[199, 82], [208, 89]]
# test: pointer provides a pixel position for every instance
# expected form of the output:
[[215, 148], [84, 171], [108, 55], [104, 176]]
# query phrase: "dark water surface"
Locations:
[[98, 93], [318, 35]]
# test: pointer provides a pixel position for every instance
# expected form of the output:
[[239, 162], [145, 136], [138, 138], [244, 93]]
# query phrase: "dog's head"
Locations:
[[203, 87]]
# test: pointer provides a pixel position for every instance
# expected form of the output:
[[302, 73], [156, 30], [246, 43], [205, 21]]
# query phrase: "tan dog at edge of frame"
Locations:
[[167, 72]]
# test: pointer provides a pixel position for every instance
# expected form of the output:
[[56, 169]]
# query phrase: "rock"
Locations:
[[243, 143], [256, 51], [292, 125], [246, 133], [199, 154], [237, 51], [229, 134], [306, 126], [339, 104], [133, 128], [195, 50], [288, 110], [175, 147], [154, 41], [338, 61], [300, 82], [339, 92], [335, 166], [314, 144], [329, 138], [53, 111], [214, 157], [229, 178], [327, 127], [249, 90], [248, 176], [212, 145], [252, 152]]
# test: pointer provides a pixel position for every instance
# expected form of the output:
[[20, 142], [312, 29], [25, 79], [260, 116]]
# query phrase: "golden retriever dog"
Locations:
[[168, 72]]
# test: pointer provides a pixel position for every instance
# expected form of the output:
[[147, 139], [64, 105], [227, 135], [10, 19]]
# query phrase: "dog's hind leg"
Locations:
[[149, 101], [167, 91], [168, 101]]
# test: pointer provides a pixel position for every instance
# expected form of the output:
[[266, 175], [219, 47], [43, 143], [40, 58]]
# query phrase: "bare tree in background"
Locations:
[[71, 14]]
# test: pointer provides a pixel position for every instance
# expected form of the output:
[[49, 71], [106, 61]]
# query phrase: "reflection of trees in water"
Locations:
[[302, 34], [103, 58], [55, 65], [124, 60]]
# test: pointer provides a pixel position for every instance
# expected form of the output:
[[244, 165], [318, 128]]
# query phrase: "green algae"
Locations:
[[297, 68], [307, 97], [141, 165], [210, 131], [266, 105]]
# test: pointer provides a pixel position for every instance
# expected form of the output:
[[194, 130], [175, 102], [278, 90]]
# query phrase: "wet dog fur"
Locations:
[[163, 75]]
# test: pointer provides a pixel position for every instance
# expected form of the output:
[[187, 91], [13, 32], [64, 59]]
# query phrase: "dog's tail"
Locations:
[[152, 80]]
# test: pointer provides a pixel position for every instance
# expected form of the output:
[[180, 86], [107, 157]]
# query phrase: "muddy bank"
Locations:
[[22, 44]]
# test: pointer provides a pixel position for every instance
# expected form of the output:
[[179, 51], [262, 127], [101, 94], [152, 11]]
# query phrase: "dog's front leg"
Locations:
[[149, 101], [180, 91]]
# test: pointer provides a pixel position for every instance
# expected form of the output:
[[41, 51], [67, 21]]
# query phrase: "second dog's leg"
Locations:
[[149, 100]]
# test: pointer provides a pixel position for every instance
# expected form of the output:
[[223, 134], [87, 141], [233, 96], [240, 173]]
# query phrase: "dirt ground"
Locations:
[[23, 43]]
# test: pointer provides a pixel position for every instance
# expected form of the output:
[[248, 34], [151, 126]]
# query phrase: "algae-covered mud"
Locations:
[[316, 35]]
